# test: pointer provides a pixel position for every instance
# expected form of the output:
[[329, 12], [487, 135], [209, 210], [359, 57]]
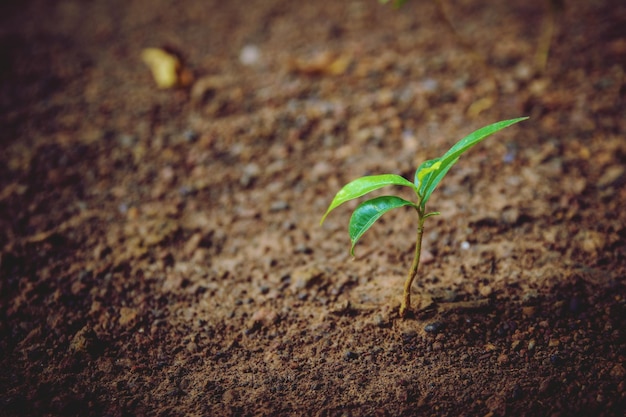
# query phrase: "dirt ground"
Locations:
[[161, 252]]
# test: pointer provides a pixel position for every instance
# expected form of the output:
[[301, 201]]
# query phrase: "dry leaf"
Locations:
[[323, 63], [167, 69]]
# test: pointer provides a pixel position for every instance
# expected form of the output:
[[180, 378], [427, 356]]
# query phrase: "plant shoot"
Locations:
[[427, 177]]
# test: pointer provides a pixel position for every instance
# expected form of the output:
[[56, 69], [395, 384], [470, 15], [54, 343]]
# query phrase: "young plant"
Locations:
[[427, 177]]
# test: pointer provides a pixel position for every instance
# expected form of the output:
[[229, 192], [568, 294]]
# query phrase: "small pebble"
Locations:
[[554, 343], [122, 208], [434, 327], [503, 329], [380, 321], [306, 277], [517, 393], [449, 296], [408, 336], [350, 355], [264, 316], [127, 140], [618, 372], [555, 359], [429, 85], [427, 257], [510, 215], [190, 135], [279, 206], [185, 191], [611, 176], [127, 315], [250, 173], [249, 55], [485, 290], [523, 72], [529, 297], [301, 248]]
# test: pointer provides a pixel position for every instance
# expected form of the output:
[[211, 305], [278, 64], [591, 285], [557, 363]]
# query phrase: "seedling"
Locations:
[[427, 177]]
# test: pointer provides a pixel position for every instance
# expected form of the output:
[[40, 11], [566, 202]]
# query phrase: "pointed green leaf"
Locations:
[[427, 179], [364, 185], [477, 136], [366, 214]]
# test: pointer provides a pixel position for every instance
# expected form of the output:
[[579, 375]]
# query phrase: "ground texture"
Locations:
[[161, 252]]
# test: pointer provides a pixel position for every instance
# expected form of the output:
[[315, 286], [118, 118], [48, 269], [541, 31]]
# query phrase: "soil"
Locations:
[[161, 252]]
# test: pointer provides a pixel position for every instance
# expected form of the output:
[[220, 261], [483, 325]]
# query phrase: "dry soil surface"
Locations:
[[161, 252]]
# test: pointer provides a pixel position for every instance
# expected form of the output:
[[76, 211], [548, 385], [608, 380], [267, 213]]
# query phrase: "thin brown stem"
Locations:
[[547, 34], [406, 300]]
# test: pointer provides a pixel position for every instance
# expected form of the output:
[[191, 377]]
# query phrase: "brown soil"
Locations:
[[161, 249]]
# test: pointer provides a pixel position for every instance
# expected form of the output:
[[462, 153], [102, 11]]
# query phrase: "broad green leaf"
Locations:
[[366, 214], [427, 179], [364, 185]]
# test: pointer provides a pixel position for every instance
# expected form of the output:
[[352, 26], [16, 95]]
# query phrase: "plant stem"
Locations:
[[406, 300]]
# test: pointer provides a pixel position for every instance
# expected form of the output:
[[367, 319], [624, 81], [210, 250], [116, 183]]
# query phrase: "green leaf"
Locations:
[[366, 214], [430, 173], [426, 168], [424, 172], [364, 185], [430, 178]]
